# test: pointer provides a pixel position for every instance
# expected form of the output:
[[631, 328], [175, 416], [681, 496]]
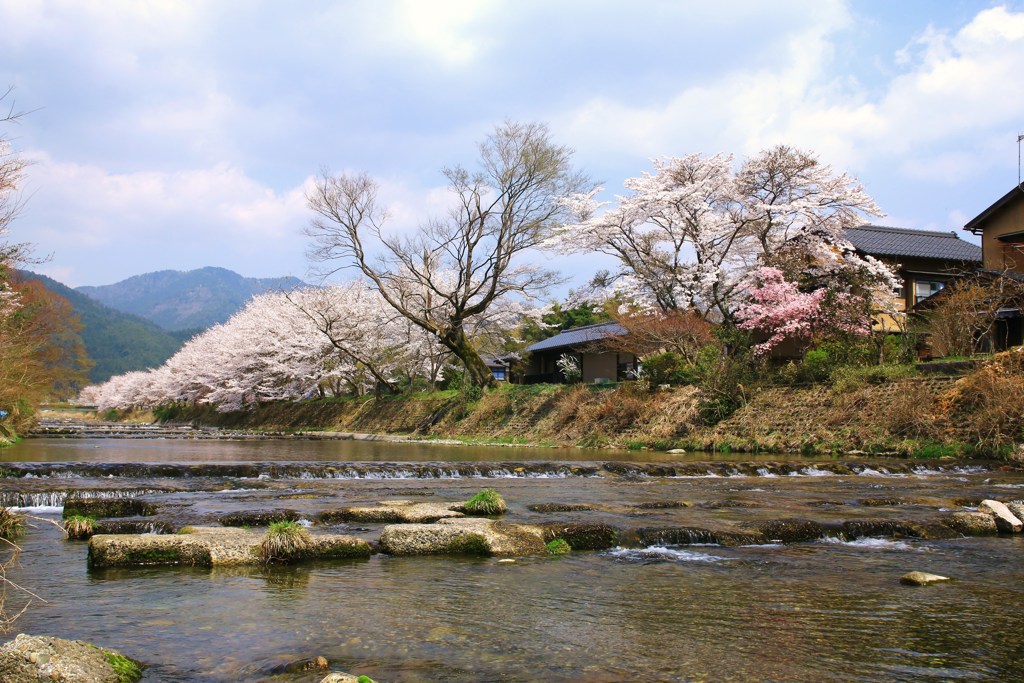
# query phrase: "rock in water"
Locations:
[[1005, 520], [972, 523], [30, 659], [922, 579], [340, 678]]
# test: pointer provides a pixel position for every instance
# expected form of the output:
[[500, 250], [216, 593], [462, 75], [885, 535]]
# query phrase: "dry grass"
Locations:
[[911, 412], [989, 403]]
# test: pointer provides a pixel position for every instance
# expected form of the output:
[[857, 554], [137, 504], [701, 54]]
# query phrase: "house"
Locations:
[[924, 260], [500, 367], [1001, 228], [596, 361]]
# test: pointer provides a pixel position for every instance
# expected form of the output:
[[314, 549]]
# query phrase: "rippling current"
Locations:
[[830, 609]]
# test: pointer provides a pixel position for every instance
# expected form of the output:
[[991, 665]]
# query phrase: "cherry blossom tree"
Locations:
[[687, 235], [286, 346], [454, 269], [778, 309]]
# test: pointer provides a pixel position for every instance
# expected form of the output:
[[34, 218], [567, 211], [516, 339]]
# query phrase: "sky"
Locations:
[[178, 134]]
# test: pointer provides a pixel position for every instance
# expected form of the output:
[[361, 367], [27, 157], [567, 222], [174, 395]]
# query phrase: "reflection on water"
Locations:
[[186, 451], [827, 610]]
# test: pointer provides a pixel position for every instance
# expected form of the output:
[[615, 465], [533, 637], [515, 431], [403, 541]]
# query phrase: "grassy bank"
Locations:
[[977, 415]]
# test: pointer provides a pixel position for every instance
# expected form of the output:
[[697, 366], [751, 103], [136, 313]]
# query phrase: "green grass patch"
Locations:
[[934, 451], [127, 670], [558, 546]]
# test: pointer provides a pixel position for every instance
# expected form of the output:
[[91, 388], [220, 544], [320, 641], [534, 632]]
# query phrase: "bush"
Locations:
[[486, 502], [723, 380], [284, 541], [667, 368]]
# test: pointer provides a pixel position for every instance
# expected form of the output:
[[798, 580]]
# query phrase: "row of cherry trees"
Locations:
[[758, 246]]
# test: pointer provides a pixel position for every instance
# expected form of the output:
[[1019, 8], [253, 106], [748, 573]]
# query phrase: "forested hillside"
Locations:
[[177, 300], [117, 342]]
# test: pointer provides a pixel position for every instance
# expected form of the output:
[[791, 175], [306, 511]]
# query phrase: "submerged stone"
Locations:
[[99, 508], [30, 659], [1006, 521], [581, 536], [895, 528], [209, 547], [463, 536], [922, 579], [789, 530], [561, 507], [258, 517]]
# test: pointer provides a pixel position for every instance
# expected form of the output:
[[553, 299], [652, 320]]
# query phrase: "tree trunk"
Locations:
[[478, 371]]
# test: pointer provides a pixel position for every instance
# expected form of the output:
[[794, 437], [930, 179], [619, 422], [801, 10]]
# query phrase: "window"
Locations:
[[925, 288], [499, 374]]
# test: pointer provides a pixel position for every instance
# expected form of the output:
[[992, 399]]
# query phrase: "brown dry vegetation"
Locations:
[[982, 413]]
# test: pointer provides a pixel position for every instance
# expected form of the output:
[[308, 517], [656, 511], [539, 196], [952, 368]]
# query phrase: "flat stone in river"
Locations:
[[208, 547]]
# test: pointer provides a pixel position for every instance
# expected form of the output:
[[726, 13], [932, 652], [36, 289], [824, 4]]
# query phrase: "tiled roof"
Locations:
[[578, 335], [881, 241]]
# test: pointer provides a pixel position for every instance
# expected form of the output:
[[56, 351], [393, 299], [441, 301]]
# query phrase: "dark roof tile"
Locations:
[[577, 336], [878, 240]]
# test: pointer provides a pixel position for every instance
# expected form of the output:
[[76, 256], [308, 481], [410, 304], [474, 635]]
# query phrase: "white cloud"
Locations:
[[118, 221], [951, 86]]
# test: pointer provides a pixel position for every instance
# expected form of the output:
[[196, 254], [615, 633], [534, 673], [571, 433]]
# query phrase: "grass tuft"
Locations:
[[12, 525], [285, 541], [79, 527], [486, 502]]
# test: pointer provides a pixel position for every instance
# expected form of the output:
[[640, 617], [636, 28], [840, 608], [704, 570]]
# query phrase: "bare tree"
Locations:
[[450, 272]]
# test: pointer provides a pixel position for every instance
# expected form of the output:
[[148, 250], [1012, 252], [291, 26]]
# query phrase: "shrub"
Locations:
[[79, 527], [667, 368], [723, 380], [284, 541], [486, 502]]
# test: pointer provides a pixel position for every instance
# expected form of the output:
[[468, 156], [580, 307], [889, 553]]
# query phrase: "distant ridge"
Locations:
[[117, 342], [177, 300]]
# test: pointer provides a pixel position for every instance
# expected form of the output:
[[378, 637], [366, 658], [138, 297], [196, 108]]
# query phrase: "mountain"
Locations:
[[177, 300], [118, 342]]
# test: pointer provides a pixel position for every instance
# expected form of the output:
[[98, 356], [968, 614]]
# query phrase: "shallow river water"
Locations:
[[829, 609]]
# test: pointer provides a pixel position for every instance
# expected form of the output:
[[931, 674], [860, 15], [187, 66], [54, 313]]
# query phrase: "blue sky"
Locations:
[[175, 135]]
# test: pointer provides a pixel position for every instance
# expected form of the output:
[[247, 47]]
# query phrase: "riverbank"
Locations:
[[917, 416]]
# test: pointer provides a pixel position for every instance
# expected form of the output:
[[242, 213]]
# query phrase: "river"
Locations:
[[827, 609]]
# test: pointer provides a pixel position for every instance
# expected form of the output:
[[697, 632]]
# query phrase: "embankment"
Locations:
[[927, 415]]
